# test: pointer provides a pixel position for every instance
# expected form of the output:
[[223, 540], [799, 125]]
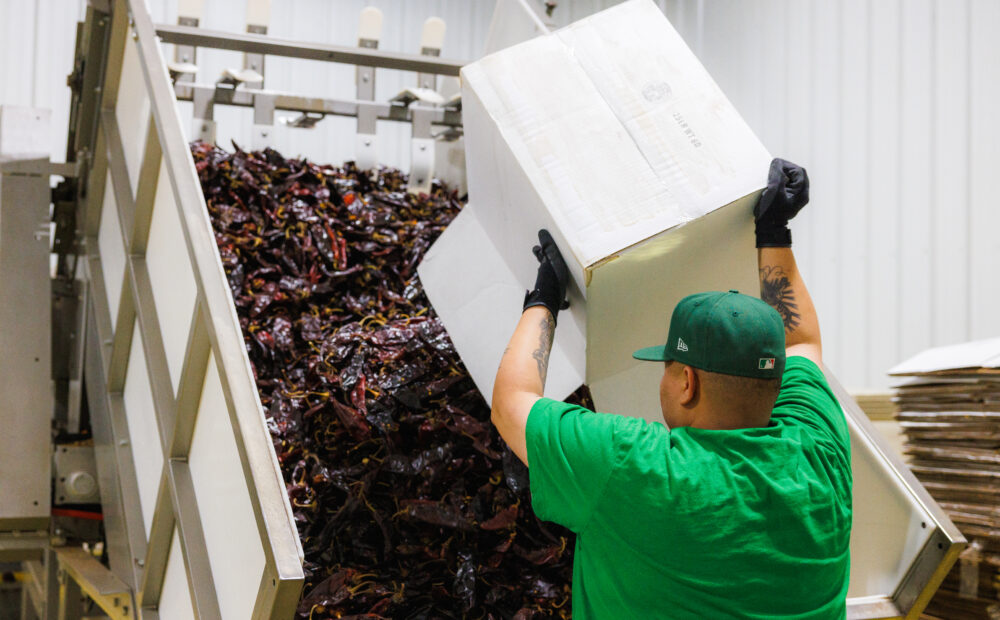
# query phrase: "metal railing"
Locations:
[[200, 506], [195, 507]]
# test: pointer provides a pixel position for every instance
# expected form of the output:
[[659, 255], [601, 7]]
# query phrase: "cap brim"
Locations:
[[653, 354]]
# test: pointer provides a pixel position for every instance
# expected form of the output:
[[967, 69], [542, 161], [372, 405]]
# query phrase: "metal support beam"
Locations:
[[252, 43], [25, 342], [201, 94], [23, 546], [369, 33], [263, 121], [82, 572], [431, 39]]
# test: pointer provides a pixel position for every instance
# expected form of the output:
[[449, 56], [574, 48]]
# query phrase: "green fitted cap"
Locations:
[[728, 333]]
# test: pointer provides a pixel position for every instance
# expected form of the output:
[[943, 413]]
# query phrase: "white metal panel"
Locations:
[[883, 185], [984, 155], [174, 286], [950, 105], [19, 33], [112, 248], [886, 534], [144, 436], [25, 343], [816, 231], [36, 55], [852, 318], [900, 139], [916, 178], [132, 112], [175, 595], [234, 546]]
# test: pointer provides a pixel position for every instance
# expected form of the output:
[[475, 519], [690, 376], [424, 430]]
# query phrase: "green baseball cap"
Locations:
[[728, 333]]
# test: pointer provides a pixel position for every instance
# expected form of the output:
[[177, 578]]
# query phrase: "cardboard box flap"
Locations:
[[631, 299], [478, 299]]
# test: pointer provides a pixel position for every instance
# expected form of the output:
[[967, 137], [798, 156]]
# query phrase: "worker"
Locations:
[[740, 507]]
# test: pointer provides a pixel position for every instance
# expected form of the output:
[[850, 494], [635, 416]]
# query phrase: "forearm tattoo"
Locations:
[[776, 290], [541, 354]]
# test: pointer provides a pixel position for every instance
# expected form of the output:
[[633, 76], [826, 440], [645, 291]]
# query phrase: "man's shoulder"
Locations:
[[576, 425], [806, 395], [550, 410]]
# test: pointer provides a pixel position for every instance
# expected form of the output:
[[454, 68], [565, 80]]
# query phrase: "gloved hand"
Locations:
[[550, 284], [786, 193]]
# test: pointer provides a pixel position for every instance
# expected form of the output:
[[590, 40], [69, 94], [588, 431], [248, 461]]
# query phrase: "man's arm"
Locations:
[[521, 378], [781, 284]]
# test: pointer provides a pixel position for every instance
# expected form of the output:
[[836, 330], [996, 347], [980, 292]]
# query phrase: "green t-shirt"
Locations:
[[693, 523]]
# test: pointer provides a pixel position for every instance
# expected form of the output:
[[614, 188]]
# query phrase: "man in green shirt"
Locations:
[[741, 506]]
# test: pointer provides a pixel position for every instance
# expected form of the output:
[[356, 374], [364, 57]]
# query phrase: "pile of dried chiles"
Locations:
[[408, 503]]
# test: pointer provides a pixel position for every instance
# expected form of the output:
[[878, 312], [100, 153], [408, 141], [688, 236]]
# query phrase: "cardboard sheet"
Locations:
[[979, 355]]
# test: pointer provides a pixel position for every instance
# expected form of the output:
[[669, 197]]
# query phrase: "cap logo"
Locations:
[[682, 346], [765, 363]]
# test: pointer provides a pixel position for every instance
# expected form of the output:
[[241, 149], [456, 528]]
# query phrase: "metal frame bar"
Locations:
[[270, 46], [27, 362], [80, 571], [119, 489], [940, 551], [317, 105], [272, 511], [214, 331]]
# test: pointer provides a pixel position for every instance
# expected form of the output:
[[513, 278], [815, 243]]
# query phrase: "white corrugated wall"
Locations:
[[891, 104]]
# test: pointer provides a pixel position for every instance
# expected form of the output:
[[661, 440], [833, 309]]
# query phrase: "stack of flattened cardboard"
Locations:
[[948, 402]]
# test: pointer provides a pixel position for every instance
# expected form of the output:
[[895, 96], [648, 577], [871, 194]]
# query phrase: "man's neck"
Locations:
[[726, 419]]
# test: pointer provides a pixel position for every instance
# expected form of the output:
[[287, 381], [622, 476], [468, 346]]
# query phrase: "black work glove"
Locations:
[[550, 285], [786, 193]]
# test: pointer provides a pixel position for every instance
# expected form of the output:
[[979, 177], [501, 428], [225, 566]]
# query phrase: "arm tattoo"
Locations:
[[776, 290], [541, 354]]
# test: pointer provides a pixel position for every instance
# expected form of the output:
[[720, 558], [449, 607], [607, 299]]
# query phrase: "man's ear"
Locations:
[[691, 386]]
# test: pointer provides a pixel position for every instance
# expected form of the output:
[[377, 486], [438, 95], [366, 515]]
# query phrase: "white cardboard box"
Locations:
[[610, 134]]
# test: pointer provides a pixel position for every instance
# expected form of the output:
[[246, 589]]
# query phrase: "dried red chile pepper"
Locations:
[[407, 501]]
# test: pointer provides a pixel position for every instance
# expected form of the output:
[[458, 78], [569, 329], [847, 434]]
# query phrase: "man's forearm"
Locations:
[[781, 286], [520, 379]]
